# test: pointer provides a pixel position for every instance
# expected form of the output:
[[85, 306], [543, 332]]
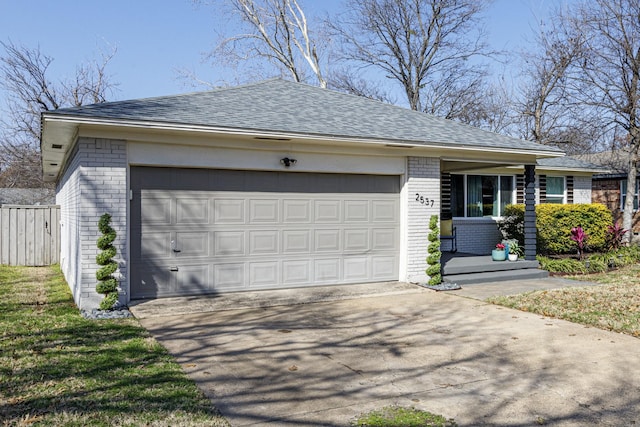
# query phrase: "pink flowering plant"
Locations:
[[500, 247], [579, 236]]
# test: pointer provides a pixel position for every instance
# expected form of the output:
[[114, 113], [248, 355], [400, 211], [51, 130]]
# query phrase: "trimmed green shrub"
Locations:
[[554, 224], [107, 285], [433, 259]]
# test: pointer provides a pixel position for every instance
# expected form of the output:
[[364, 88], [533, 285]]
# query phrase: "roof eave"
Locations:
[[66, 127]]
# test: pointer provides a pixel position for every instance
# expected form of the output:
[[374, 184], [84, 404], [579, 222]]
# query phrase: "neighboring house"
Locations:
[[280, 185], [610, 187]]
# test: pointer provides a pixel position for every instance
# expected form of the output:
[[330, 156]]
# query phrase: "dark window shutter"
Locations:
[[520, 189], [543, 188], [445, 192], [570, 190]]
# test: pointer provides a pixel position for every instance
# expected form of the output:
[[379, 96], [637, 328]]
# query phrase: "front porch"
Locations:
[[466, 269]]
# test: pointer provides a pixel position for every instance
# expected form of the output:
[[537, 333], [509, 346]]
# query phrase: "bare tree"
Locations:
[[277, 31], [549, 112], [24, 76], [347, 81], [608, 75], [416, 43]]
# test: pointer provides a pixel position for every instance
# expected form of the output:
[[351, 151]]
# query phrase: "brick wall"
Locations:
[[607, 192], [94, 183], [423, 181], [477, 235]]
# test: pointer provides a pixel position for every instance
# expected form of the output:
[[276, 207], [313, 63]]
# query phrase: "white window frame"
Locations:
[[499, 202], [623, 194], [564, 189]]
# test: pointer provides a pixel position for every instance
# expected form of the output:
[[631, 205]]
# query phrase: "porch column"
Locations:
[[530, 212]]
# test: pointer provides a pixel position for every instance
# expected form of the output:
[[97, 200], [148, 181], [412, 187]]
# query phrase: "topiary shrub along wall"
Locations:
[[434, 271], [107, 285], [554, 224]]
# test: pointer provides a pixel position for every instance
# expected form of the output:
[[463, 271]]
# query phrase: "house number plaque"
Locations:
[[424, 200]]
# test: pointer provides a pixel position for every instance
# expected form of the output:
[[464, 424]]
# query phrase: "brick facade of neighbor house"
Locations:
[[94, 183], [606, 190], [423, 181]]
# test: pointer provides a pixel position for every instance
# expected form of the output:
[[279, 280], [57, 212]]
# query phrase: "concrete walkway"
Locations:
[[322, 363]]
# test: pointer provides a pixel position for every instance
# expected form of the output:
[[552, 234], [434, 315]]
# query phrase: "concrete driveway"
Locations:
[[323, 362]]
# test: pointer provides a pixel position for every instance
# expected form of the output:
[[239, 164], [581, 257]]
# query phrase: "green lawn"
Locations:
[[57, 368], [613, 305]]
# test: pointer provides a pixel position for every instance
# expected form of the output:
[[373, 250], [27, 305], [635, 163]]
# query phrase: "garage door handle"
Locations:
[[174, 246], [173, 268]]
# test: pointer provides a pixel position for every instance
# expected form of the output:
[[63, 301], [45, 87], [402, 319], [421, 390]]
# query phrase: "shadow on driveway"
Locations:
[[324, 363]]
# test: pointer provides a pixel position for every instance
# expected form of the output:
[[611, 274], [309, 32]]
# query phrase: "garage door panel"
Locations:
[[242, 230], [384, 238], [229, 243], [383, 266], [296, 211], [263, 242], [192, 211], [356, 211], [156, 210], [229, 211], [193, 279], [384, 211], [296, 272], [192, 244], [327, 240], [263, 211], [263, 274], [156, 245], [356, 240], [229, 276], [327, 270], [296, 241], [152, 281], [356, 268], [327, 211]]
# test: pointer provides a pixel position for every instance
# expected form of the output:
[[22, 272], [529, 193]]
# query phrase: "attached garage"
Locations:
[[199, 231]]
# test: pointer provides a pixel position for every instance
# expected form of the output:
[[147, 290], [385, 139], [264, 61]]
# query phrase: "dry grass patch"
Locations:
[[57, 368], [613, 305]]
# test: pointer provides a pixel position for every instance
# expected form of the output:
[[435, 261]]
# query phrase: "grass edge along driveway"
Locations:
[[57, 368], [613, 306]]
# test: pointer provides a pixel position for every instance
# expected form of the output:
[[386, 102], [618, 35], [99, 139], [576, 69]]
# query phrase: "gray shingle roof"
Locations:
[[294, 108], [569, 163]]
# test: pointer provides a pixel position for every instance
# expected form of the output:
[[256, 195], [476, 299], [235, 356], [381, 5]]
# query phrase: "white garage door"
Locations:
[[206, 231]]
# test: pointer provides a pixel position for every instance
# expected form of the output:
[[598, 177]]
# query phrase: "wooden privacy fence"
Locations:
[[29, 235]]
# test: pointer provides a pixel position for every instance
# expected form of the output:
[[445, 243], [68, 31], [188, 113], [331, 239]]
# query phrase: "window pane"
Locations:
[[623, 195], [555, 187], [489, 196], [457, 195], [474, 196], [555, 199], [506, 192]]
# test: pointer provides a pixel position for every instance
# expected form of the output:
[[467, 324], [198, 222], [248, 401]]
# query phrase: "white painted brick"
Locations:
[[99, 175]]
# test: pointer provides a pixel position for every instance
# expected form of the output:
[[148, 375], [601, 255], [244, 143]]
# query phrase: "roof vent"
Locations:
[[56, 146]]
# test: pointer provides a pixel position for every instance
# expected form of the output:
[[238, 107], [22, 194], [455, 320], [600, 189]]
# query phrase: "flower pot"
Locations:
[[513, 257], [498, 255]]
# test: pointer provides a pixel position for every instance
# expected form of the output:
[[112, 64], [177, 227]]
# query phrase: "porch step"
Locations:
[[497, 275], [482, 264]]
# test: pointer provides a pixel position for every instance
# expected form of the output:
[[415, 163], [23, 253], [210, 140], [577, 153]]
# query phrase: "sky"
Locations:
[[155, 38]]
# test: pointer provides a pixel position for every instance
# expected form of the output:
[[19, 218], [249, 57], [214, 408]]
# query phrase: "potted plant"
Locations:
[[515, 251], [499, 254]]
